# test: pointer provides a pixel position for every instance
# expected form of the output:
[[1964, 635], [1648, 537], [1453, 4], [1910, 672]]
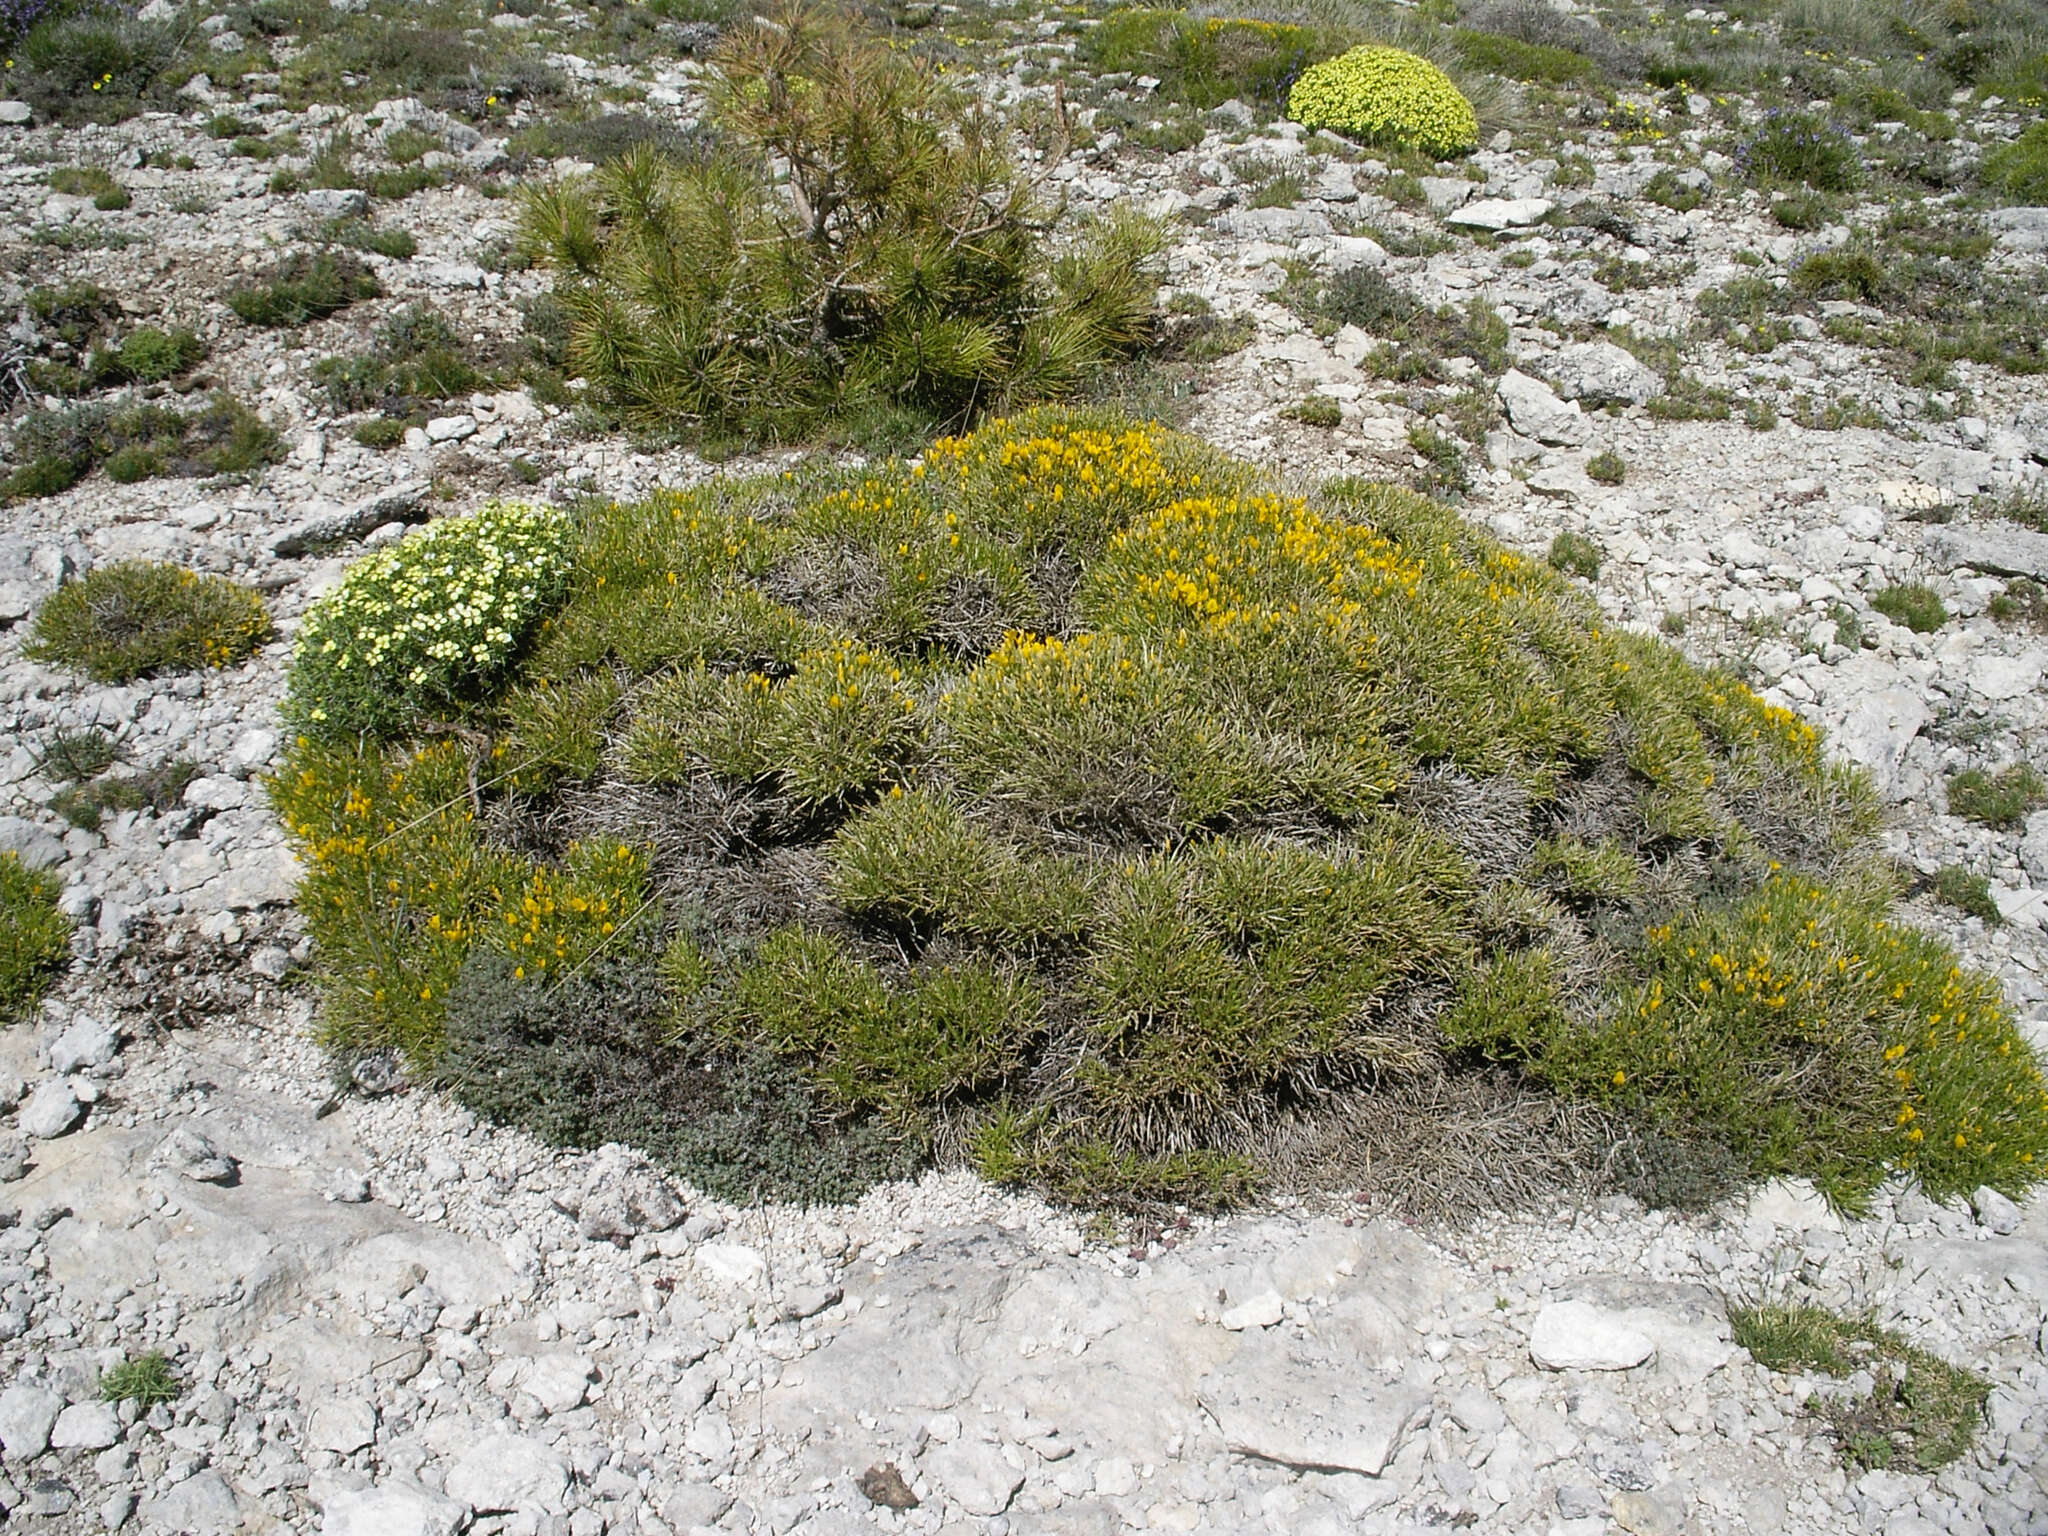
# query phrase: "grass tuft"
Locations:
[[145, 1380]]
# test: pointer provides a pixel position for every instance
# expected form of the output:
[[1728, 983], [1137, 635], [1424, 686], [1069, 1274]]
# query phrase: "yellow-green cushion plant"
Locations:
[[1386, 96]]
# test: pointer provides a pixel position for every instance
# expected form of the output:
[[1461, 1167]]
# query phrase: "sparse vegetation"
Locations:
[[145, 1380], [136, 618], [1921, 1412], [2001, 800], [306, 285], [54, 450], [1919, 608], [1575, 554], [1957, 887], [1607, 467], [35, 938]]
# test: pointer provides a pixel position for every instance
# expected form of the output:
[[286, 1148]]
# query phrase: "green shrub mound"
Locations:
[[1074, 803], [1205, 61], [35, 938], [137, 618], [899, 277], [1386, 96]]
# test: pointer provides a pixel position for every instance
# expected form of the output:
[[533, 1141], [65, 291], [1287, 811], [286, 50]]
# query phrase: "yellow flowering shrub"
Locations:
[[1820, 1037], [1074, 799], [1386, 96], [136, 618]]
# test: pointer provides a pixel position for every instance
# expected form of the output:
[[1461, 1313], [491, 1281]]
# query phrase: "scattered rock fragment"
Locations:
[[52, 1110], [192, 1154], [883, 1485]]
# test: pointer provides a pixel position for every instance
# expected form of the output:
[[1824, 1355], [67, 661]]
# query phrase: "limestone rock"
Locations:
[[975, 1476], [91, 1426], [1309, 1415], [1498, 213], [201, 1505], [27, 1416], [53, 1109], [192, 1153], [1576, 1336], [343, 1425], [395, 1508], [35, 845], [87, 1043], [559, 1382], [1600, 373], [1995, 1211], [1534, 410], [501, 1473]]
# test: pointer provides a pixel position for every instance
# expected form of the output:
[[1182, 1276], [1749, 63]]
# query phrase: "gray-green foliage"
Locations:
[[905, 271]]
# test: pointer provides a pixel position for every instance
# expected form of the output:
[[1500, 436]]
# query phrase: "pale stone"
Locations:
[[1575, 1336], [1260, 1311], [1499, 213], [1534, 410], [509, 1472], [86, 1427], [975, 1476]]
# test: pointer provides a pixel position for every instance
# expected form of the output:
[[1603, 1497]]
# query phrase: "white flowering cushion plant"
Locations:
[[428, 621]]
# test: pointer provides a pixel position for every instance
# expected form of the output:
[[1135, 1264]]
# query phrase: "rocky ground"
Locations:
[[390, 1319]]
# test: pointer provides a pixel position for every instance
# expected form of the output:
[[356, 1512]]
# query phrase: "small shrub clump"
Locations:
[[35, 938], [1955, 886], [55, 449], [2020, 169], [2001, 800], [1075, 803], [93, 181], [1575, 554], [305, 286], [1607, 467], [1203, 62], [1386, 96], [1918, 607], [1800, 149], [1921, 1412], [415, 356], [137, 618], [424, 624]]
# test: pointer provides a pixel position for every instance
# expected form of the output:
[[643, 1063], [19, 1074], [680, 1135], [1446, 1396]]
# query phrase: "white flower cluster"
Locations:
[[419, 621]]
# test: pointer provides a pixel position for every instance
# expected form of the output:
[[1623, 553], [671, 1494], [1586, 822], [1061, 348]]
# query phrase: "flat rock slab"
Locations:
[[1997, 549], [396, 1508], [1310, 1414], [1578, 1336], [501, 1473], [1498, 213]]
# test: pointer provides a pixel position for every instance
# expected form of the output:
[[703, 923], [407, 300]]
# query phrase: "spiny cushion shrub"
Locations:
[[136, 618], [1803, 1027], [1072, 801], [35, 938], [425, 623], [901, 274], [1386, 96], [55, 449], [1801, 148]]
